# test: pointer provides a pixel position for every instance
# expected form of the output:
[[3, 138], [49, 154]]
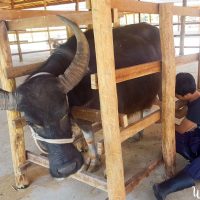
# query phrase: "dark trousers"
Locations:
[[188, 145]]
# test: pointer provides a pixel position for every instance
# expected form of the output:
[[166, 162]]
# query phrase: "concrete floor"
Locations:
[[44, 187]]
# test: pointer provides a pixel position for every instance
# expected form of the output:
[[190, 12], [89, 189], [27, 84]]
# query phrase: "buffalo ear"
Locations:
[[8, 100]]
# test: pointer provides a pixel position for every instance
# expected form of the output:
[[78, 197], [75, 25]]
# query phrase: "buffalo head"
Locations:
[[43, 100]]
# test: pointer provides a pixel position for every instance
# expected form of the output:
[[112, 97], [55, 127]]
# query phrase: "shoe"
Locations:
[[179, 182]]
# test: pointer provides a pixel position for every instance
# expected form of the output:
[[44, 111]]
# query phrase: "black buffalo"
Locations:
[[46, 98]]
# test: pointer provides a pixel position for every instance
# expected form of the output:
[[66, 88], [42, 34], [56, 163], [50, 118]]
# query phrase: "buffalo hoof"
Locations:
[[92, 164]]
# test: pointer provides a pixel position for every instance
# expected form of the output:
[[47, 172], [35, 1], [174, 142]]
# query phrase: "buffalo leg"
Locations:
[[92, 161]]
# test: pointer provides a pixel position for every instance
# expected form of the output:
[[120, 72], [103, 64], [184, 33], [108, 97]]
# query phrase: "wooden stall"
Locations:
[[111, 120]]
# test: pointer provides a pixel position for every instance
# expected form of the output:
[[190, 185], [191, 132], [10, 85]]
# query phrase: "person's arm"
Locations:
[[181, 112], [185, 126]]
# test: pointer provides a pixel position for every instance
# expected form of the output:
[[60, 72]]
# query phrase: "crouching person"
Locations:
[[187, 139]]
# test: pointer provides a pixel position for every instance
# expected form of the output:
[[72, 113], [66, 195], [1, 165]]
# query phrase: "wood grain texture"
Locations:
[[16, 134], [102, 25], [168, 87]]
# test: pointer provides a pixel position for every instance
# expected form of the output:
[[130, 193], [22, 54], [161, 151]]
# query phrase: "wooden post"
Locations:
[[198, 76], [102, 23], [16, 135], [19, 46], [168, 86], [17, 36], [182, 33], [89, 7]]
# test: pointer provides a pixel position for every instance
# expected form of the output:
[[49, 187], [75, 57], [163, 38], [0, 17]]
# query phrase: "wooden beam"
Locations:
[[168, 87], [135, 6], [22, 14], [93, 115], [186, 11], [136, 179], [181, 60], [151, 8], [44, 20], [16, 135], [84, 177], [138, 126], [22, 70], [136, 71], [129, 73], [102, 25]]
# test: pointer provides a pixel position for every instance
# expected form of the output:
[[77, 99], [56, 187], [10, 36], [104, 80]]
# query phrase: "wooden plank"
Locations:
[[129, 73], [136, 179], [22, 14], [136, 71], [102, 25], [186, 11], [79, 17], [134, 128], [151, 8], [168, 87], [181, 60], [87, 114], [39, 160], [84, 177], [94, 115], [135, 6], [16, 135], [91, 179], [22, 70]]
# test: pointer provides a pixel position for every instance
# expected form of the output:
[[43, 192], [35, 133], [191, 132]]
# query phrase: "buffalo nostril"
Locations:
[[67, 169]]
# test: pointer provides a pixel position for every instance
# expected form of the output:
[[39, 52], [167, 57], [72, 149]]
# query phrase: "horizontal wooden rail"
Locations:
[[94, 180], [22, 70], [38, 31], [151, 8], [186, 59], [22, 14], [136, 179], [132, 72], [87, 114], [33, 42], [140, 125], [129, 73], [27, 69], [191, 47], [85, 177], [187, 35], [81, 18], [136, 71]]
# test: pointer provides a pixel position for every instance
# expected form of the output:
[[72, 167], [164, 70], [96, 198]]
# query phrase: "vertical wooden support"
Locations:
[[19, 46], [102, 23], [115, 16], [16, 135], [198, 76], [168, 86], [182, 33], [17, 36], [89, 7]]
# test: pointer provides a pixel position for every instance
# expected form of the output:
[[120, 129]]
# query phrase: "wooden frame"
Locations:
[[101, 17]]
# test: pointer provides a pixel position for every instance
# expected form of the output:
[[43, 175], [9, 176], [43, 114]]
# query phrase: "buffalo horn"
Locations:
[[79, 65], [8, 100]]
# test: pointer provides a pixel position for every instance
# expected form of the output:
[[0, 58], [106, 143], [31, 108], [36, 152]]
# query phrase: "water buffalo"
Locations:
[[63, 81]]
